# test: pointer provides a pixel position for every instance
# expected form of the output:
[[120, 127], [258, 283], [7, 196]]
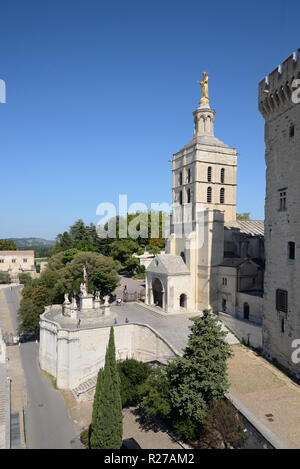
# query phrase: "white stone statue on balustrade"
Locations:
[[83, 289], [97, 295], [106, 300], [67, 300]]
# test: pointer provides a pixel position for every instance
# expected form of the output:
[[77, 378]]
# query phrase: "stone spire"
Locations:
[[204, 120]]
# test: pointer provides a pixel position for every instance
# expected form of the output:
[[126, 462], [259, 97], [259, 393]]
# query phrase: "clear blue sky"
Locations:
[[101, 94]]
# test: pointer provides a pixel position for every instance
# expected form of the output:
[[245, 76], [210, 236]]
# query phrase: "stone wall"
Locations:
[[250, 333], [74, 356], [2, 349], [256, 304]]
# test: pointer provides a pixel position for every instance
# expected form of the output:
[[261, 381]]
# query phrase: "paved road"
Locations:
[[13, 301], [48, 424]]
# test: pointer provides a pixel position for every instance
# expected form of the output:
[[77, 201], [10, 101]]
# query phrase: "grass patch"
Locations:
[[51, 378]]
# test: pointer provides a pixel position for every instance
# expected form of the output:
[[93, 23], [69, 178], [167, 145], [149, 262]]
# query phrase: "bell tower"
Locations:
[[205, 170]]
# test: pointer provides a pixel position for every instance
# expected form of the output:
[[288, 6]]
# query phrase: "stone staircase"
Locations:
[[85, 387]]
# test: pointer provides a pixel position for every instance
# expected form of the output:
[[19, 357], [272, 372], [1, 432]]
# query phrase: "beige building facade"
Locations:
[[15, 262]]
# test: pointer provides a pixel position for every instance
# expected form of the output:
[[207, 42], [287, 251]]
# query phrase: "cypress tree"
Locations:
[[93, 431], [107, 427]]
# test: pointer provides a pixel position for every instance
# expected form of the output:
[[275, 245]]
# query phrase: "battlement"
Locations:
[[276, 89]]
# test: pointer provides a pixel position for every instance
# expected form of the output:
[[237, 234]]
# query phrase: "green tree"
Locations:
[[7, 245], [96, 404], [4, 277], [243, 216], [132, 374], [32, 305], [63, 243], [200, 375], [156, 394], [63, 274], [107, 428], [25, 279]]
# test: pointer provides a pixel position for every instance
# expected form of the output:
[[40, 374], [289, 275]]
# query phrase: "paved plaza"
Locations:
[[269, 395]]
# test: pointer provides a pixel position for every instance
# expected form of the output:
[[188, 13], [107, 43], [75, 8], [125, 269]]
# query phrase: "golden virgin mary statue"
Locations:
[[204, 101]]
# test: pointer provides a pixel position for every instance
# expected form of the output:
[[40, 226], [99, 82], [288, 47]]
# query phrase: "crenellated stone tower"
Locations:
[[281, 323]]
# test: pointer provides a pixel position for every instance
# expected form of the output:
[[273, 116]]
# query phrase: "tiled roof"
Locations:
[[237, 261], [168, 263], [251, 227], [232, 262], [16, 253]]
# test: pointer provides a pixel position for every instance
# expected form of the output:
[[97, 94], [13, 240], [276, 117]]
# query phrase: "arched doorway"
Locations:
[[246, 311], [183, 301], [157, 289]]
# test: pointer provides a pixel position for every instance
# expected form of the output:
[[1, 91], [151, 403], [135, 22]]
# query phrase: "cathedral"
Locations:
[[212, 260]]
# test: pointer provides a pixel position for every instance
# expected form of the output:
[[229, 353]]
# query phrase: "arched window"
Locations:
[[222, 175], [189, 196], [180, 179], [222, 196], [209, 194], [292, 131], [183, 301], [180, 197], [209, 170]]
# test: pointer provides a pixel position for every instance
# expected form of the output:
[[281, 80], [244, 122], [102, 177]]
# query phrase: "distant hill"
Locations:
[[30, 243], [41, 247]]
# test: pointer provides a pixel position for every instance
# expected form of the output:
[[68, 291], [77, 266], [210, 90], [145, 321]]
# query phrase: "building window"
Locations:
[[24, 260], [282, 301], [292, 250], [224, 281], [209, 173], [246, 311], [189, 196], [183, 301], [14, 261], [180, 179], [189, 176], [182, 256], [180, 197], [1, 261], [282, 200], [222, 176], [222, 196], [209, 194], [292, 131], [282, 326]]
